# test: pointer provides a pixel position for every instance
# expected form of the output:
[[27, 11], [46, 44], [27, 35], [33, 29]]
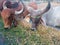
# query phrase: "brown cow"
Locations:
[[8, 18], [8, 14]]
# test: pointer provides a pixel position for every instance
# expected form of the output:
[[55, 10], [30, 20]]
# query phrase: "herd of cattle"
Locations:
[[10, 10]]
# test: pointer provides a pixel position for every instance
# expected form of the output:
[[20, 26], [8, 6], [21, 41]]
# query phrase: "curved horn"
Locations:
[[46, 9], [19, 12], [4, 6]]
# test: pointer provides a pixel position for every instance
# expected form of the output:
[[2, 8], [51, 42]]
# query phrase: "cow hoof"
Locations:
[[33, 29]]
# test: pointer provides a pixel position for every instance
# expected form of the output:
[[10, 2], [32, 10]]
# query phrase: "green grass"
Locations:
[[23, 36]]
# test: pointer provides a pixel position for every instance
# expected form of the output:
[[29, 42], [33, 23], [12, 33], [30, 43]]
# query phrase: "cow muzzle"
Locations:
[[7, 27]]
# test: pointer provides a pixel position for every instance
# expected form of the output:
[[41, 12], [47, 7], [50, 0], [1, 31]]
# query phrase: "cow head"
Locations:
[[8, 14], [35, 21], [8, 17]]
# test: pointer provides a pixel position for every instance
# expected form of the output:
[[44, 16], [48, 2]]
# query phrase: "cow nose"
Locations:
[[5, 28], [33, 29]]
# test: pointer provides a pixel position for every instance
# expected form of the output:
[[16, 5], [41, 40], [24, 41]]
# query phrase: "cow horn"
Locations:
[[46, 9], [19, 12], [4, 6]]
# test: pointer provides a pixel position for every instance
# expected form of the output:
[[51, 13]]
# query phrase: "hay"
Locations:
[[25, 24]]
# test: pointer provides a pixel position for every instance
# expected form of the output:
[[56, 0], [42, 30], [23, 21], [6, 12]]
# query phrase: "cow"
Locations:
[[49, 16], [52, 17], [8, 14], [8, 18]]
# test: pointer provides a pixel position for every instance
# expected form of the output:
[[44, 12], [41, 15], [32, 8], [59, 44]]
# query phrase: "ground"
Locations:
[[23, 36]]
